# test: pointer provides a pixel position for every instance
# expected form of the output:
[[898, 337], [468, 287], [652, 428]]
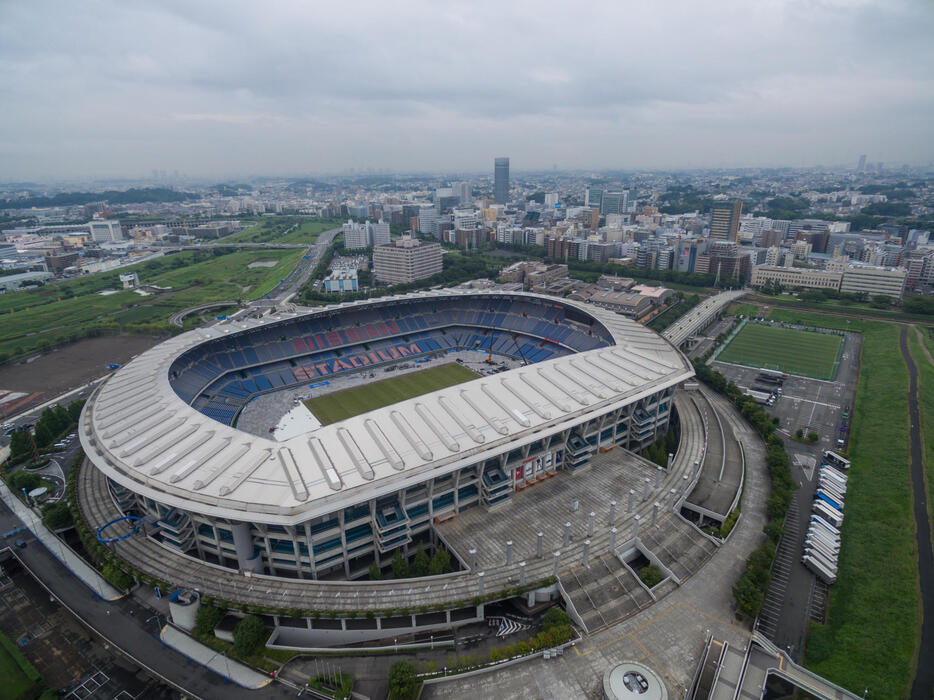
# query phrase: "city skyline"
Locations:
[[112, 90]]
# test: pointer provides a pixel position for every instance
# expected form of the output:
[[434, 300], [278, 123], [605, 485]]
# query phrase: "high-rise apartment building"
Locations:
[[501, 180], [406, 261], [724, 220], [862, 163], [463, 192], [358, 236]]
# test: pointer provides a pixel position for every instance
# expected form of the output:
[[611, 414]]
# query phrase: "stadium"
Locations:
[[538, 396]]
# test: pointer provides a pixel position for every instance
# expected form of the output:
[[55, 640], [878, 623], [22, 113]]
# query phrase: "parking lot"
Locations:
[[813, 406]]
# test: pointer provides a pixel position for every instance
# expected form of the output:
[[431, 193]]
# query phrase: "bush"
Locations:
[[117, 577], [651, 575], [555, 617], [207, 619], [337, 686], [249, 635], [728, 524], [403, 683]]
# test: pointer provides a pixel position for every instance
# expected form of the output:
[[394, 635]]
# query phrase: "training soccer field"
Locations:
[[331, 408], [807, 353]]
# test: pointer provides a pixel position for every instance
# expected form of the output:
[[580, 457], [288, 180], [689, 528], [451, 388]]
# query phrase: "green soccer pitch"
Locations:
[[807, 353], [331, 408]]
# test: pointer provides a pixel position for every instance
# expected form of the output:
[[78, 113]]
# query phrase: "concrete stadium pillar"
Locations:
[[645, 490], [593, 516], [685, 483], [671, 456], [612, 512], [521, 573], [697, 467], [480, 582], [613, 533], [247, 559], [658, 477], [539, 538], [635, 526], [509, 553], [585, 557], [556, 557], [567, 535], [632, 497], [473, 559], [655, 513]]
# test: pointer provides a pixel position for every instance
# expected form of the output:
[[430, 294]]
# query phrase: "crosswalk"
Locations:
[[507, 625]]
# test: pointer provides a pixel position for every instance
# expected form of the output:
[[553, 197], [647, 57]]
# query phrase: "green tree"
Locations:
[[57, 516], [400, 567], [21, 479], [403, 683], [20, 445], [249, 635], [375, 573], [420, 562], [440, 561], [207, 619]]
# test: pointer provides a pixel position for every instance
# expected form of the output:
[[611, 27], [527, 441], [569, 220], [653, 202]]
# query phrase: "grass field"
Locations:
[[60, 310], [272, 231], [749, 310], [331, 408], [785, 349], [19, 677], [873, 615]]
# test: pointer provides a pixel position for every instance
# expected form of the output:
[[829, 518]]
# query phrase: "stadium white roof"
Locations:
[[139, 432]]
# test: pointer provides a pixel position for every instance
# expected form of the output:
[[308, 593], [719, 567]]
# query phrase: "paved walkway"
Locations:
[[87, 575], [216, 661], [668, 637], [698, 317]]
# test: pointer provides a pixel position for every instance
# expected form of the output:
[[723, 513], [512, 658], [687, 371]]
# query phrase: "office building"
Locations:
[[797, 277], [724, 220], [875, 281], [501, 180], [406, 261]]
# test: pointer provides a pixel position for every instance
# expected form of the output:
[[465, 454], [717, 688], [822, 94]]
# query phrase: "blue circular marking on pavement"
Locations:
[[127, 518]]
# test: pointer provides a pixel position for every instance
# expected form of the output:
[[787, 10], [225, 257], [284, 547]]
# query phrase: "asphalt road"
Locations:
[[123, 625], [923, 686]]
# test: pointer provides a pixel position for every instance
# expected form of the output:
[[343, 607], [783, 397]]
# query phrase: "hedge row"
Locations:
[[749, 590]]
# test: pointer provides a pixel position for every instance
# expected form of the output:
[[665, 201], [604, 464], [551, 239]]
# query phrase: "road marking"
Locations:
[[819, 403]]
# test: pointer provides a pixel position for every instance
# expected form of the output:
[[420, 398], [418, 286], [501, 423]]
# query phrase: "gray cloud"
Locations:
[[116, 88]]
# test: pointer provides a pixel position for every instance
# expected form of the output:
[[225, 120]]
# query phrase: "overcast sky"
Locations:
[[102, 88]]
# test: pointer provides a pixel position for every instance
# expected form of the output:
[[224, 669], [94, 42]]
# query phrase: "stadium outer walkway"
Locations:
[[160, 562], [697, 318], [669, 636]]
